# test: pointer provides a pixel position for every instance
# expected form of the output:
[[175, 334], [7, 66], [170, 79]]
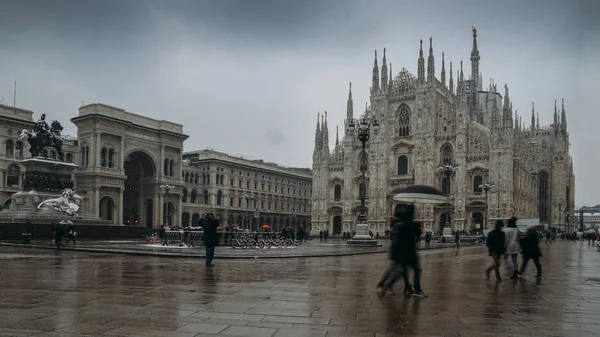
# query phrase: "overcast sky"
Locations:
[[248, 77]]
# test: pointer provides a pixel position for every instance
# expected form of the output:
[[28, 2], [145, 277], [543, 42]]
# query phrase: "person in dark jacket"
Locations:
[[457, 239], [530, 245], [497, 246], [211, 239], [395, 270]]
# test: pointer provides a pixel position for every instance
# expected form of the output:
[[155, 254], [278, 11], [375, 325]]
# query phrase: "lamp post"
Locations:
[[248, 197], [486, 188], [167, 188], [449, 168], [363, 129]]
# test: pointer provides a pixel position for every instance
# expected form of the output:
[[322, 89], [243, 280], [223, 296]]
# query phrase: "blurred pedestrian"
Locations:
[[511, 234], [496, 246], [211, 239], [531, 250], [457, 239]]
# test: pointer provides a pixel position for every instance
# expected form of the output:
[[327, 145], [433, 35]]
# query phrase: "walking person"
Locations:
[[58, 235], [211, 238], [457, 240], [511, 234], [531, 250], [71, 233], [496, 246]]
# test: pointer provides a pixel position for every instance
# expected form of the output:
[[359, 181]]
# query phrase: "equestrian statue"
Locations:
[[42, 137]]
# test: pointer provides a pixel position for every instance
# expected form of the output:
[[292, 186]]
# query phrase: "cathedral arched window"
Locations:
[[166, 167], [446, 186], [362, 191], [363, 161], [111, 158], [171, 167], [404, 120], [447, 155], [337, 192], [477, 182], [402, 165], [194, 196]]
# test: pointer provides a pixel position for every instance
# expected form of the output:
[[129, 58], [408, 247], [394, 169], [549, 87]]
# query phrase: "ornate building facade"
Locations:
[[125, 160], [427, 122], [245, 193]]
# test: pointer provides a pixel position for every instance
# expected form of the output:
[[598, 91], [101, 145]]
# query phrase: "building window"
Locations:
[[10, 148], [222, 179], [269, 188], [477, 182], [240, 202], [404, 119], [104, 157], [69, 158], [206, 198], [19, 149], [447, 155], [446, 186], [262, 204], [231, 201], [194, 196], [337, 192], [12, 176], [171, 168], [184, 197], [219, 198], [262, 187], [111, 158], [402, 165]]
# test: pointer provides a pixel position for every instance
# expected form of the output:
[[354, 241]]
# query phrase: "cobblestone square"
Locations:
[[69, 293]]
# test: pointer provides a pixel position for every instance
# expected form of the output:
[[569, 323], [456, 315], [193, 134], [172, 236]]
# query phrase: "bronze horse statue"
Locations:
[[39, 142]]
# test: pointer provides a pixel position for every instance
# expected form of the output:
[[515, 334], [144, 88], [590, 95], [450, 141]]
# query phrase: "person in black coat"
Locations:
[[530, 245], [211, 239], [496, 244]]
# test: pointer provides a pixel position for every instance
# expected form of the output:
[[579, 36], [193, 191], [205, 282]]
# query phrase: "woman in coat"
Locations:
[[531, 250], [511, 234]]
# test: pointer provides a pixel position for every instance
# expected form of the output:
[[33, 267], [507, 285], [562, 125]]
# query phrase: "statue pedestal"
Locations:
[[44, 179], [362, 237]]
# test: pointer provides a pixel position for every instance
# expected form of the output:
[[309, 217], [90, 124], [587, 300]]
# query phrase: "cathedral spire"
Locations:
[[391, 77], [421, 70], [555, 118], [443, 76], [475, 60], [563, 117], [507, 122], [537, 121], [337, 138], [451, 84], [517, 124], [375, 87], [325, 132], [532, 116], [430, 62], [318, 134], [350, 105], [384, 72]]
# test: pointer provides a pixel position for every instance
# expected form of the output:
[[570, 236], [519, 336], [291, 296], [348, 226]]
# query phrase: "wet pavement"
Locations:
[[312, 248], [69, 293]]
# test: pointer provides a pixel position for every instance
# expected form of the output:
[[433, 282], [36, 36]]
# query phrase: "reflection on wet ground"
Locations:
[[49, 293]]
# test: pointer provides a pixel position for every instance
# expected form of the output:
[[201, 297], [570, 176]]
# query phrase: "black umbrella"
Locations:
[[420, 194]]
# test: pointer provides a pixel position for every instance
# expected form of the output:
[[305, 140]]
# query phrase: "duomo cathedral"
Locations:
[[428, 121]]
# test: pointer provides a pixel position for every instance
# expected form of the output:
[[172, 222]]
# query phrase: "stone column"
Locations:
[[96, 200], [162, 161], [97, 149], [122, 153], [120, 206], [161, 214]]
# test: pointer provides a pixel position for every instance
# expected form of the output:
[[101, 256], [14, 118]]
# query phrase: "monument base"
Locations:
[[362, 237]]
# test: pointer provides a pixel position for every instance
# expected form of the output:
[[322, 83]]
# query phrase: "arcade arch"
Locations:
[[138, 196]]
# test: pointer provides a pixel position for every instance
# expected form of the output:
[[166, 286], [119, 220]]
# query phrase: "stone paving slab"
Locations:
[[70, 293], [136, 247]]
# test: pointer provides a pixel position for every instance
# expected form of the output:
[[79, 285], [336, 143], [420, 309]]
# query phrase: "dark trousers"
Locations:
[[210, 254], [393, 274], [536, 261], [71, 238]]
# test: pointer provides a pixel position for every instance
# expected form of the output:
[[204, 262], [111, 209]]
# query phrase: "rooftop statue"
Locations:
[[42, 137]]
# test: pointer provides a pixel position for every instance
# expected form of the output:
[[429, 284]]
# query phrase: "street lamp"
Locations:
[[362, 128], [486, 188], [449, 168], [248, 197], [167, 188]]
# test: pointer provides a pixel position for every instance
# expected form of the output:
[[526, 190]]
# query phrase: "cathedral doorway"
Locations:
[[137, 196], [337, 225], [477, 224]]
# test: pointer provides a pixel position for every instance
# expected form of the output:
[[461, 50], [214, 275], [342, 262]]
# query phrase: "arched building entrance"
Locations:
[[445, 217], [337, 225], [477, 222], [107, 209], [138, 194], [168, 212]]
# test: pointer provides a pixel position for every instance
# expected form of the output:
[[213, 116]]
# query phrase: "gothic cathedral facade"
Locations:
[[426, 122]]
